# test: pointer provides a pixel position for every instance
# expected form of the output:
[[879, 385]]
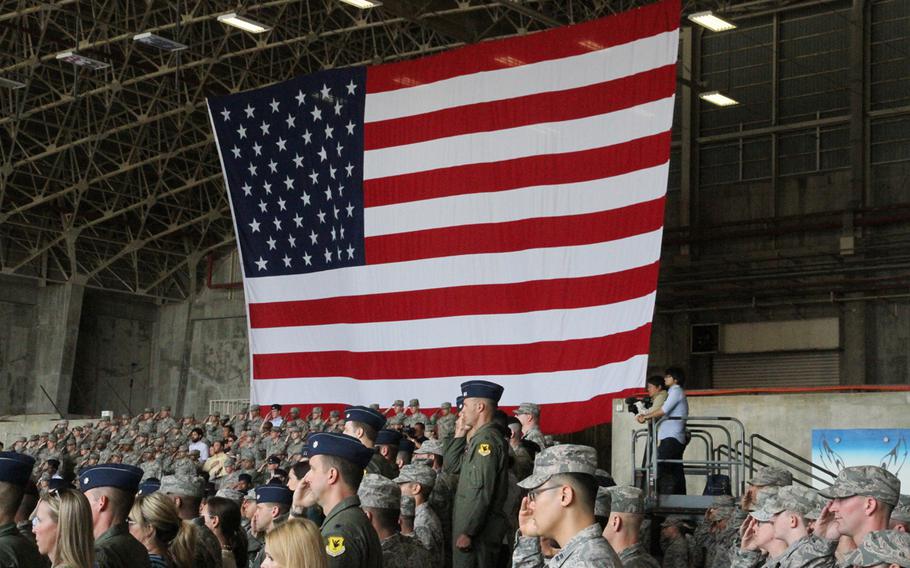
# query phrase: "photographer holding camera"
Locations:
[[671, 436]]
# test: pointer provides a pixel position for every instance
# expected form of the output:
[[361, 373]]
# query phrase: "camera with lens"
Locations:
[[632, 403]]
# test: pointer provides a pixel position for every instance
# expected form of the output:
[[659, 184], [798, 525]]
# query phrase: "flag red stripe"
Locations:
[[553, 44], [542, 357], [520, 297], [570, 230], [547, 169], [553, 106]]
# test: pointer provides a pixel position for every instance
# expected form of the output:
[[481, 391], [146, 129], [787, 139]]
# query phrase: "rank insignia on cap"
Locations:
[[484, 450], [334, 546]]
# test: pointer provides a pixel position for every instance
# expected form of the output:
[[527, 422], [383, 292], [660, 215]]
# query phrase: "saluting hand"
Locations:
[[826, 526], [526, 523]]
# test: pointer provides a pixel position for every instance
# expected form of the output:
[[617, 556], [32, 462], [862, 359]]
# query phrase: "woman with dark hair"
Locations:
[[671, 435], [222, 517], [656, 390]]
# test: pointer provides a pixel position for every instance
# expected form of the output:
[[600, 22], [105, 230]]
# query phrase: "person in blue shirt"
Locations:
[[671, 434]]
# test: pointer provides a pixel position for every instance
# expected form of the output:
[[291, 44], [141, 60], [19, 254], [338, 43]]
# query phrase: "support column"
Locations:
[[59, 313]]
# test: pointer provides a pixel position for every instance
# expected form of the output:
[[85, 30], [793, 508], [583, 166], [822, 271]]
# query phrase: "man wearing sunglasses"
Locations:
[[560, 506]]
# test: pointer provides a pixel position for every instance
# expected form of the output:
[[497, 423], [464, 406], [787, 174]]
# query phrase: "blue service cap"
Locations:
[[245, 477], [56, 484], [149, 486], [406, 446], [339, 445], [481, 389], [274, 494], [388, 438], [459, 402], [16, 468], [118, 475], [366, 415]]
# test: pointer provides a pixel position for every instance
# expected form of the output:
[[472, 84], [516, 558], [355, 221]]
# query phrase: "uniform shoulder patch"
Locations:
[[334, 546], [483, 449]]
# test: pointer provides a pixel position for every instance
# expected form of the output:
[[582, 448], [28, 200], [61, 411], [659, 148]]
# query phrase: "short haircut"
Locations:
[[300, 469], [657, 381], [385, 518], [584, 485], [120, 501], [677, 374], [349, 473], [10, 498], [368, 431]]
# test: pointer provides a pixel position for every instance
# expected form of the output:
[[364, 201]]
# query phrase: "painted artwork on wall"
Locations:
[[885, 447]]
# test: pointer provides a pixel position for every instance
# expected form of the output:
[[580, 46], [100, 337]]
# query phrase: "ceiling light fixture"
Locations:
[[10, 84], [157, 41], [716, 98], [244, 24], [711, 21], [82, 61], [363, 4]]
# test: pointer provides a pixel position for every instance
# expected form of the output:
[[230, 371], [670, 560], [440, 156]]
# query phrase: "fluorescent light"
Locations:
[[716, 98], [244, 24], [10, 84], [163, 43], [363, 4], [508, 61], [712, 22], [82, 61]]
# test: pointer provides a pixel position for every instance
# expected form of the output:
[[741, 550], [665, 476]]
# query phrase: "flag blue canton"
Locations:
[[292, 154]]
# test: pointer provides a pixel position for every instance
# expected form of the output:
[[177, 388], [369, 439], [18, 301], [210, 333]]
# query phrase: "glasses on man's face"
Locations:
[[532, 495]]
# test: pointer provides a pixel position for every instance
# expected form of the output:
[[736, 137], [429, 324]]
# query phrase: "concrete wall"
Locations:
[[788, 419], [18, 341]]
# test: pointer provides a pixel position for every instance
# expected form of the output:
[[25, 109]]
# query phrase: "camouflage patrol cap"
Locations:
[[317, 410], [247, 454], [251, 495], [165, 408], [602, 502], [94, 456], [408, 506], [217, 414], [723, 501], [430, 447], [374, 405], [230, 462], [527, 408], [417, 473], [565, 458], [771, 476], [414, 402], [398, 403], [868, 481], [336, 414], [627, 499], [798, 499], [24, 439], [181, 485], [232, 494], [766, 505], [254, 407], [147, 410], [901, 512], [295, 410], [675, 521], [881, 547], [379, 492], [446, 405], [33, 438]]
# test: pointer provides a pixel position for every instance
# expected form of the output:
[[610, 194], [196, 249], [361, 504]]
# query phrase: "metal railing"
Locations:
[[747, 451], [699, 428]]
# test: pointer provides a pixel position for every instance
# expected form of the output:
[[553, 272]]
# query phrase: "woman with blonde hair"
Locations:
[[155, 523], [63, 529], [296, 543]]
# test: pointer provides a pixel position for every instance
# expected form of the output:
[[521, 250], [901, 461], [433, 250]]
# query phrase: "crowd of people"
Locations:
[[367, 488]]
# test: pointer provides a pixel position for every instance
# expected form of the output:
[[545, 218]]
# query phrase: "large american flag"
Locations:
[[490, 212]]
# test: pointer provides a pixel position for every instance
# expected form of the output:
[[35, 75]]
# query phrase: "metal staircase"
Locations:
[[727, 451]]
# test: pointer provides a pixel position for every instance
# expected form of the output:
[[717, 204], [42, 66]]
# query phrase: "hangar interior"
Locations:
[[787, 216]]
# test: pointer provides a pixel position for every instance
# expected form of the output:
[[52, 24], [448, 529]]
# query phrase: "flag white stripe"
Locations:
[[466, 270], [510, 143], [459, 331], [543, 388], [545, 76], [526, 203]]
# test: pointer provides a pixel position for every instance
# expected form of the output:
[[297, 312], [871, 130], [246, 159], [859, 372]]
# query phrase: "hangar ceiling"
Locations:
[[111, 176]]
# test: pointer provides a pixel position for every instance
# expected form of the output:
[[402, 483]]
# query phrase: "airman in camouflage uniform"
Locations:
[[295, 443], [335, 423], [316, 422], [417, 481], [397, 417], [416, 415], [587, 548], [900, 516], [852, 521], [882, 548], [379, 493], [625, 511], [673, 542], [444, 421], [150, 466], [165, 422], [529, 415]]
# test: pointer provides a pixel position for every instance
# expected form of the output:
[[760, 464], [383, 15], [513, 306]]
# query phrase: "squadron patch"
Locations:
[[484, 450], [334, 546]]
